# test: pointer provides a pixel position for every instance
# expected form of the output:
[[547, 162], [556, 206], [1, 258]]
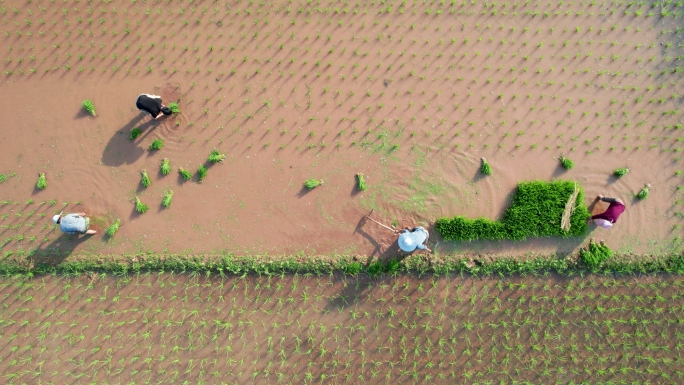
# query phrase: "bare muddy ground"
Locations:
[[169, 329], [410, 94]]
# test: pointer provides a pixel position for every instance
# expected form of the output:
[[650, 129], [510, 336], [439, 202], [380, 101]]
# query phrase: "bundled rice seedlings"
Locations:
[[145, 179], [201, 173], [165, 167], [41, 184], [620, 172], [135, 133], [216, 157], [111, 230], [168, 197], [89, 106], [569, 207], [157, 144], [643, 194], [174, 107], [361, 182], [485, 168], [139, 206], [566, 163], [311, 184], [187, 175], [3, 178]]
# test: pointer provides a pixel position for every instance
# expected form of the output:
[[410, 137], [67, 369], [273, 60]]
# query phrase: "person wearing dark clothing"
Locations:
[[611, 215], [152, 104]]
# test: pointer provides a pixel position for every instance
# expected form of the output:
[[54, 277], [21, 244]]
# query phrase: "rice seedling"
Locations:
[[566, 163], [165, 167], [135, 133], [216, 157], [157, 144], [174, 107], [187, 175], [3, 178], [41, 184], [485, 168], [643, 194], [111, 230], [145, 179], [139, 206], [168, 197], [89, 106], [201, 173], [620, 172], [311, 184], [361, 182], [595, 254]]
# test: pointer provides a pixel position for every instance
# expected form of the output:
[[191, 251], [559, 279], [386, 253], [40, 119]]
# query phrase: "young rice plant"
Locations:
[[41, 184], [89, 106]]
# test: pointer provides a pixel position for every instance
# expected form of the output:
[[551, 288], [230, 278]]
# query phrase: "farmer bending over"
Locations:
[[152, 104], [611, 215], [73, 223], [412, 239]]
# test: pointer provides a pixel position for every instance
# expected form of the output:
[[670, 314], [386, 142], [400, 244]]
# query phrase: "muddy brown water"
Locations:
[[410, 97], [167, 328]]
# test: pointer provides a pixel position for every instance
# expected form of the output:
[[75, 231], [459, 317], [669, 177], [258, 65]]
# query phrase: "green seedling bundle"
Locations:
[[620, 172], [201, 173], [165, 167], [174, 107], [135, 133], [139, 206], [157, 144], [89, 107], [311, 184], [216, 157], [485, 168], [643, 193], [187, 175], [41, 184], [113, 228], [145, 180], [361, 182], [566, 163], [168, 197]]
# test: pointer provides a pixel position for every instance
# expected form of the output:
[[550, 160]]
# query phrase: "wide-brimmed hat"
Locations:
[[407, 242], [56, 217]]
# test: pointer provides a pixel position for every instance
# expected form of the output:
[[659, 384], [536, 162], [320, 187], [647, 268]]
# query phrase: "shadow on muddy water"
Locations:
[[121, 149], [57, 251]]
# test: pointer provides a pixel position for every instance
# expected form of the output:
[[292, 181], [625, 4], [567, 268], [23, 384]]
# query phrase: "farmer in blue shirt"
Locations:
[[73, 223], [412, 239]]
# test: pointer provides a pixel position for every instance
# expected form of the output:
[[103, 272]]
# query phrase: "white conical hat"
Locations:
[[406, 242]]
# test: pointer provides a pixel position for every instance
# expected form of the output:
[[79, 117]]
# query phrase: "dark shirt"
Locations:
[[612, 213], [151, 104]]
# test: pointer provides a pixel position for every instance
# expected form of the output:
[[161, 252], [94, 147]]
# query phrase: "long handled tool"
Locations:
[[383, 225]]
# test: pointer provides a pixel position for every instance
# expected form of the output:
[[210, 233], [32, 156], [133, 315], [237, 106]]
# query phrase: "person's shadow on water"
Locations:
[[121, 149]]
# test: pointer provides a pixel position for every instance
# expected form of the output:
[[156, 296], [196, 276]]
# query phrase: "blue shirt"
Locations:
[[411, 240], [72, 223]]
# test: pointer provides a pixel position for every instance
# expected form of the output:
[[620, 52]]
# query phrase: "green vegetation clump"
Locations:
[[139, 206], [168, 197], [165, 167], [361, 182], [145, 179], [620, 172], [311, 184], [485, 168], [135, 133], [216, 157], [41, 184], [566, 163], [111, 230], [201, 173], [174, 107], [89, 106], [595, 254], [187, 175], [536, 211], [643, 194], [157, 144], [3, 178]]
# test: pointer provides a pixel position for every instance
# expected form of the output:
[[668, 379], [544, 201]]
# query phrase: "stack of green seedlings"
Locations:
[[361, 182], [485, 168], [566, 163], [157, 144], [311, 184], [620, 172], [595, 254], [41, 184], [111, 230], [89, 107], [643, 194]]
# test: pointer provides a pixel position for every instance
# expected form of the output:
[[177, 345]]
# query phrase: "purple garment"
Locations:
[[612, 213]]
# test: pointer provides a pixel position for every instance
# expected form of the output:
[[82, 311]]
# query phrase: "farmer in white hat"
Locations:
[[612, 213], [411, 239], [73, 223]]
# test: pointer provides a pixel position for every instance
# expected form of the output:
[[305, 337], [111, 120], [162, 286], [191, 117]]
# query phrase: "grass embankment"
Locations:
[[536, 211]]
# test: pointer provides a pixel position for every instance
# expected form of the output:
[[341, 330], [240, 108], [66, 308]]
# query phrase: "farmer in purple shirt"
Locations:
[[611, 215]]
